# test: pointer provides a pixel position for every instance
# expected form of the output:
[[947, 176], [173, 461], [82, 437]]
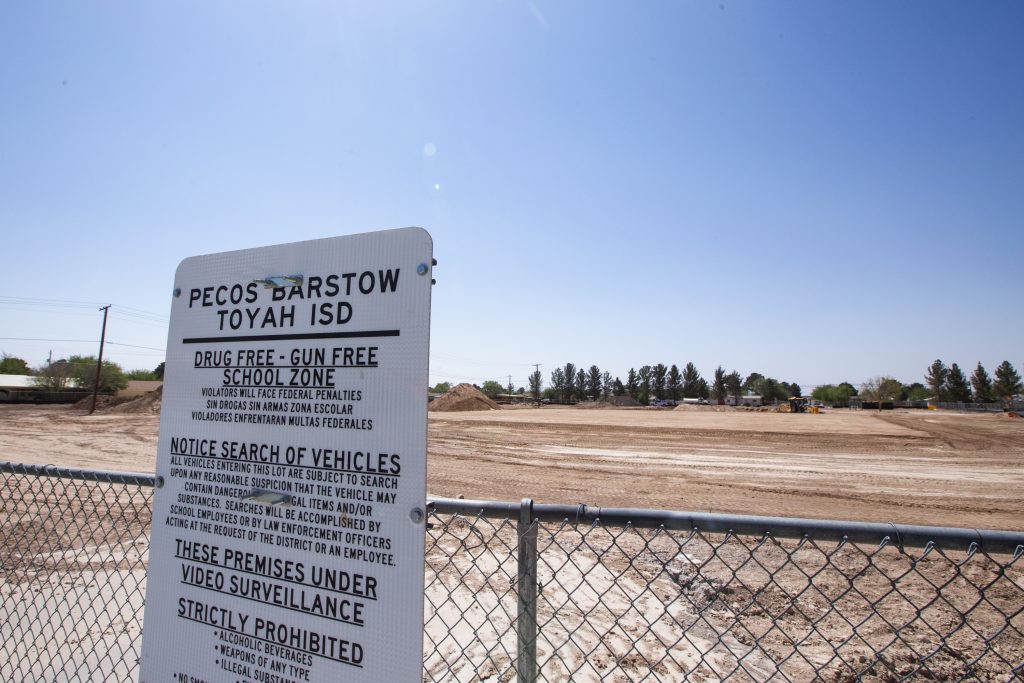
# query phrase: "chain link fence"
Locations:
[[73, 551], [523, 592], [639, 595]]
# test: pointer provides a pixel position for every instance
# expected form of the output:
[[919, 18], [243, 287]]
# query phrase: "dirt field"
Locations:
[[641, 604], [921, 467]]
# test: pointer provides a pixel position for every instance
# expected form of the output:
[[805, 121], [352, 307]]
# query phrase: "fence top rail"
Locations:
[[127, 478], [901, 535]]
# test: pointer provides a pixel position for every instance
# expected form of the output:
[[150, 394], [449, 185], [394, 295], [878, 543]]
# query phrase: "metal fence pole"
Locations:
[[526, 584]]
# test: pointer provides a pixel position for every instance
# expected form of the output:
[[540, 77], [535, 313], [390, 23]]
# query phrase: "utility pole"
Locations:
[[99, 361]]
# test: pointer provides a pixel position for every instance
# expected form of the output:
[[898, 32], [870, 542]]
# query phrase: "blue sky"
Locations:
[[818, 192]]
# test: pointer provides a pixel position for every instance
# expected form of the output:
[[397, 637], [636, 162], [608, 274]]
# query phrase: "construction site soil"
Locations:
[[915, 467], [461, 398]]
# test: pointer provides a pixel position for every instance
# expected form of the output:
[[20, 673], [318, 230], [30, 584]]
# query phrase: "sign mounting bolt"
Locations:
[[177, 292], [416, 515], [422, 269], [159, 481]]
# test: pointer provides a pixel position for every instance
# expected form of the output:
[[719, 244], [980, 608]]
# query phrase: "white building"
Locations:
[[749, 401]]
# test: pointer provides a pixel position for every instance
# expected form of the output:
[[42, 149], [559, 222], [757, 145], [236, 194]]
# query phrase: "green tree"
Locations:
[[558, 384], [890, 389], [658, 374], [881, 389], [674, 385], [53, 377], [83, 371], [159, 371], [703, 390], [535, 383], [691, 381], [1007, 384], [982, 384], [618, 388], [771, 389], [570, 381], [606, 384], [441, 387], [12, 365], [633, 384], [492, 388], [644, 377], [752, 382], [718, 388], [825, 393], [734, 384], [916, 392], [957, 385], [936, 377], [834, 394], [581, 385], [594, 383], [144, 375]]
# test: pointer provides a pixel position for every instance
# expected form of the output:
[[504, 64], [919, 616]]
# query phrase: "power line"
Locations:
[[69, 303], [447, 375], [121, 315], [449, 356], [82, 341], [136, 346]]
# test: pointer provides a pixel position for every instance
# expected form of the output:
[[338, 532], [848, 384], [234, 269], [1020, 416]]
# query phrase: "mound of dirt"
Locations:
[[462, 397], [623, 402], [147, 404], [103, 402], [712, 407], [592, 405]]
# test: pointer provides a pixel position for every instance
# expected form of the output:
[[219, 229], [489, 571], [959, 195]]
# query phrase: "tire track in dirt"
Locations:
[[943, 469], [915, 475], [965, 433]]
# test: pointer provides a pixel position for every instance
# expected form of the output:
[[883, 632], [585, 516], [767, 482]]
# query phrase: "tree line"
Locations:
[[942, 384], [950, 384], [661, 382], [77, 372], [571, 383]]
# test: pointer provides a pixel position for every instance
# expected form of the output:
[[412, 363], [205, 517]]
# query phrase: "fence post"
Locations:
[[526, 584]]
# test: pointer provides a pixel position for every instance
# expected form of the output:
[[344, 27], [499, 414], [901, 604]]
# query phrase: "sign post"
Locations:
[[288, 522]]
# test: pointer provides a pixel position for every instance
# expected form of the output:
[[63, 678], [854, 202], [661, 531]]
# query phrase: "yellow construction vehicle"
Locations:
[[802, 404]]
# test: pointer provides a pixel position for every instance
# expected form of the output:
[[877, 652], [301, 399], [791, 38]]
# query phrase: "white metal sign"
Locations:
[[288, 521]]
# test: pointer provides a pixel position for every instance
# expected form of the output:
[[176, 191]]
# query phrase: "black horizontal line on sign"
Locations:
[[272, 604], [274, 642], [289, 337], [307, 467], [272, 386], [273, 578], [264, 367]]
